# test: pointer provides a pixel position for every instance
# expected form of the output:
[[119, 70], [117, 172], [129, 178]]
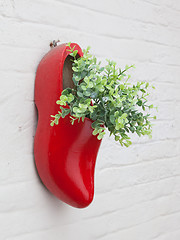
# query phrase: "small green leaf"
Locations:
[[80, 94], [117, 138], [95, 132], [52, 123], [75, 53]]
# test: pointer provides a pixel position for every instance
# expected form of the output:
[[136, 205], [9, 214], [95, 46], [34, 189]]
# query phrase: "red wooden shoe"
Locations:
[[65, 154]]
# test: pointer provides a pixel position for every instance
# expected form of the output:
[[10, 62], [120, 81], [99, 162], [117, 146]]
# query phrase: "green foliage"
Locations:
[[104, 95]]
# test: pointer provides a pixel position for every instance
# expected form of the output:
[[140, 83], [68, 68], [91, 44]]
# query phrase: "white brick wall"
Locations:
[[137, 189]]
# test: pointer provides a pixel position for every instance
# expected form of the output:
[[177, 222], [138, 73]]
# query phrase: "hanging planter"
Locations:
[[65, 154], [91, 98]]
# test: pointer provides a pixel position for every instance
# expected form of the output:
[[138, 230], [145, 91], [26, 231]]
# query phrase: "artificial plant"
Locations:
[[105, 95]]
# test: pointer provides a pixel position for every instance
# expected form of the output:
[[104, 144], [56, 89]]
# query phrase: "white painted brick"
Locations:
[[127, 197], [149, 230], [165, 130], [170, 235], [137, 174], [136, 189], [128, 10]]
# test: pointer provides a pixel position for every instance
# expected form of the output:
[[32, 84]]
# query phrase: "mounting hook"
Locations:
[[54, 43]]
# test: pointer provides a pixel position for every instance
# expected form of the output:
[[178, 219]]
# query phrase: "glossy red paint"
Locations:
[[65, 155]]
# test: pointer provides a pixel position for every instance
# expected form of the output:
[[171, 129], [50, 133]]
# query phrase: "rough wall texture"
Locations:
[[137, 189]]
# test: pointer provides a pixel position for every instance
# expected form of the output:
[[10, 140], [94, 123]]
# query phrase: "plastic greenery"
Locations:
[[104, 95]]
